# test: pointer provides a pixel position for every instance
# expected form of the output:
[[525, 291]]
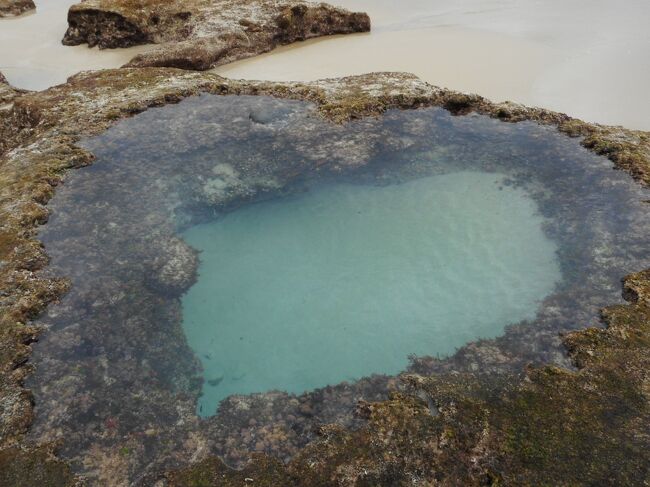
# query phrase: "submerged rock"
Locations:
[[201, 34], [12, 8]]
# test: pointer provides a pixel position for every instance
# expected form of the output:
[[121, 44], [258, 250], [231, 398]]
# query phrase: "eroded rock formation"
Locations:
[[201, 34], [13, 8]]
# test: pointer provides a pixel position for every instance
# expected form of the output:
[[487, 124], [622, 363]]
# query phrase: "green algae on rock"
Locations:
[[40, 131], [29, 467], [201, 34], [112, 233]]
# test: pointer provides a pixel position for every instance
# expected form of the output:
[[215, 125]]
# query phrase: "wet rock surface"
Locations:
[[201, 34], [13, 8], [480, 431]]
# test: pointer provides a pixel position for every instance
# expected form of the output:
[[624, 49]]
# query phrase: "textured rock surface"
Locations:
[[555, 427], [587, 427], [27, 468], [201, 34], [12, 8], [7, 93]]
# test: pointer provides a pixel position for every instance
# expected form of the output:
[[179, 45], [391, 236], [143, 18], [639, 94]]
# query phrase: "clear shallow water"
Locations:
[[349, 280], [115, 368]]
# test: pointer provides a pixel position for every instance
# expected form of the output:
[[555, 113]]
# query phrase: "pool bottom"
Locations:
[[346, 281]]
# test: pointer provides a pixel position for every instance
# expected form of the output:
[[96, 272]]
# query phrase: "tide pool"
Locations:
[[348, 280]]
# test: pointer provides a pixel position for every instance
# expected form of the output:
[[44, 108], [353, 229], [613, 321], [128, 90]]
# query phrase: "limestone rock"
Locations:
[[532, 431], [201, 34], [175, 270]]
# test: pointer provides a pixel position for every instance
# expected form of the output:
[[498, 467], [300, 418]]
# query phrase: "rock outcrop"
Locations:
[[13, 8], [201, 34], [7, 93]]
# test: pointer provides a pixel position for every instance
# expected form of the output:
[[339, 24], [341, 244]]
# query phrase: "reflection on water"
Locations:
[[116, 367]]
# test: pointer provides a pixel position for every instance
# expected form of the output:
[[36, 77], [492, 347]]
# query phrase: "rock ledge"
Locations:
[[546, 426]]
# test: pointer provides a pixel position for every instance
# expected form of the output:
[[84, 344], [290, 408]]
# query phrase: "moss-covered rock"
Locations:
[[7, 92], [30, 467]]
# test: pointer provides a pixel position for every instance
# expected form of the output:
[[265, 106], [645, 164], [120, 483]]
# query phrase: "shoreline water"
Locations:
[[583, 58], [402, 51]]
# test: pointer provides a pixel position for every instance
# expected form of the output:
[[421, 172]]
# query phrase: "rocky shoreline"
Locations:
[[202, 34], [479, 426]]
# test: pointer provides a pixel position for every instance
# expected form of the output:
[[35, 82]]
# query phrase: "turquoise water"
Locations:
[[349, 280]]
